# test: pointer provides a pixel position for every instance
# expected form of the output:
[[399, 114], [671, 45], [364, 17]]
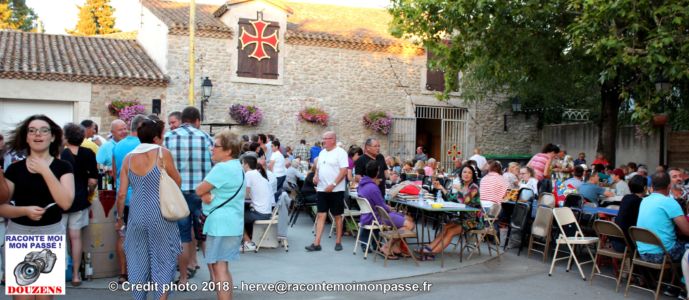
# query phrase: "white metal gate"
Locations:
[[402, 138], [454, 131]]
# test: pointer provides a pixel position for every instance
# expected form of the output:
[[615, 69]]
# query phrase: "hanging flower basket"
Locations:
[[659, 120], [246, 114], [378, 121], [314, 115], [126, 109]]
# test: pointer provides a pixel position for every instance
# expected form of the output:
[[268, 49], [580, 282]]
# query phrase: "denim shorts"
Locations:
[[185, 225]]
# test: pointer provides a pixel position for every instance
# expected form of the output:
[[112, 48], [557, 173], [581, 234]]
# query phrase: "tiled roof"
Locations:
[[342, 27], [224, 8], [38, 56], [176, 16], [128, 35]]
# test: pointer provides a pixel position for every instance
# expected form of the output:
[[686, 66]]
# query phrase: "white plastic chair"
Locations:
[[365, 208]]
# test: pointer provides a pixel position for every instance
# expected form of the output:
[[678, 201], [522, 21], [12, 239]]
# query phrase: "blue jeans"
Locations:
[[185, 225]]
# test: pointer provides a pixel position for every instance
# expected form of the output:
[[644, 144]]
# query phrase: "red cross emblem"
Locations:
[[453, 152], [259, 40]]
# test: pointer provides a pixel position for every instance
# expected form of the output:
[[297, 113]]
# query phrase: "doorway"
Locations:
[[428, 135]]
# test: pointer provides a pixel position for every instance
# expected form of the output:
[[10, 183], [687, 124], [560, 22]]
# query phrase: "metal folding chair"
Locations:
[[394, 233], [565, 217], [638, 234], [365, 208], [607, 230]]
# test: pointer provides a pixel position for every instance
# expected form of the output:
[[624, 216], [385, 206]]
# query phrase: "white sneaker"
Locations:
[[249, 246]]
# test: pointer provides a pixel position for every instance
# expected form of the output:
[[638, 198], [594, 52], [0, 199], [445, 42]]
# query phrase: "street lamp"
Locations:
[[516, 108], [207, 89]]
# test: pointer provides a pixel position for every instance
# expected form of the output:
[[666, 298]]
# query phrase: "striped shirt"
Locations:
[[492, 187], [537, 163], [190, 147]]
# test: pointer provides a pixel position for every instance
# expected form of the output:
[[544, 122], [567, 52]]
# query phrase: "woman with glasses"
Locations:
[[225, 220], [526, 179], [42, 186], [152, 243]]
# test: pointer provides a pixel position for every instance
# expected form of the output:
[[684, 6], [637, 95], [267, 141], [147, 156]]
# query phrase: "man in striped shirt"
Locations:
[[189, 147]]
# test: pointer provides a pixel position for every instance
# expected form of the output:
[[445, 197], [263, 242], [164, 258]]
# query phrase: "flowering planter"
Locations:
[[378, 121], [314, 115], [126, 109], [246, 114]]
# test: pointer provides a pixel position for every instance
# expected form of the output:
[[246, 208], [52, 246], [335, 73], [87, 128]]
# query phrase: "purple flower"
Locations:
[[378, 121], [128, 112], [246, 115]]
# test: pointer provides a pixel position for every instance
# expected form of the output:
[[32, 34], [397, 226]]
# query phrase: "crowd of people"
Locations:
[[51, 174]]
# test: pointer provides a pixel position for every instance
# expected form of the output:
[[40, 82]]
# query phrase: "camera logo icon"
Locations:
[[35, 263]]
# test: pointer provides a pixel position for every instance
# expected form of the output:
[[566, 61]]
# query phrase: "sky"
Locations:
[[58, 15]]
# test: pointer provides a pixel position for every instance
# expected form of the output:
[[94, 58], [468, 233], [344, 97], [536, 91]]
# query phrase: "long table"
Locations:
[[425, 207]]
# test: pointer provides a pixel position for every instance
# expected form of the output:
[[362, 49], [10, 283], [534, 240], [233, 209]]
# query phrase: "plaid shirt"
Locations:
[[302, 152], [190, 147]]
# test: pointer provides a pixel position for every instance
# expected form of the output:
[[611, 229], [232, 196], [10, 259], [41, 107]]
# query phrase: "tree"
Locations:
[[95, 17], [15, 15], [556, 51]]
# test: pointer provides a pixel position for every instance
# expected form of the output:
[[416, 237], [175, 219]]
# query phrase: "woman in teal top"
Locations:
[[225, 222]]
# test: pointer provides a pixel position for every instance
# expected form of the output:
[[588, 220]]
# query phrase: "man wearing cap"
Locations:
[[621, 187]]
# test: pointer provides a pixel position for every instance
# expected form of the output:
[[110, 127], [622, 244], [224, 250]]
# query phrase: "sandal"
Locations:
[[191, 272], [122, 278], [424, 249], [390, 256]]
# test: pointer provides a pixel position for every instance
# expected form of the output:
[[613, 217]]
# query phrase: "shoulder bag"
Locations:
[[173, 206], [203, 217]]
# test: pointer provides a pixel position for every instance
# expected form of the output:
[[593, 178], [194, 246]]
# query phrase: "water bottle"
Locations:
[[439, 197], [421, 199], [89, 267]]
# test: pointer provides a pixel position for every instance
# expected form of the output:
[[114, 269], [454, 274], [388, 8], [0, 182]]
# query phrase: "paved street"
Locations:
[[512, 276]]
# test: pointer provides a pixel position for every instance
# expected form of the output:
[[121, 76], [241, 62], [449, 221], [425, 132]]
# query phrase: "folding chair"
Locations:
[[565, 217], [348, 213], [541, 228], [365, 208], [488, 230], [518, 221], [273, 221], [301, 203], [547, 200], [605, 230], [394, 233], [638, 234]]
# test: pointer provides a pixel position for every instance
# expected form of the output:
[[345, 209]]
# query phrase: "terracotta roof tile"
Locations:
[[38, 56], [176, 16]]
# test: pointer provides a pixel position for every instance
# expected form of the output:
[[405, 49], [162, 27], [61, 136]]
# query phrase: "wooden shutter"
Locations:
[[435, 80], [266, 68]]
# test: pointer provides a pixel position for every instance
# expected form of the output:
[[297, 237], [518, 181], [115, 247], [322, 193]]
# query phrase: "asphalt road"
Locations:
[[511, 277]]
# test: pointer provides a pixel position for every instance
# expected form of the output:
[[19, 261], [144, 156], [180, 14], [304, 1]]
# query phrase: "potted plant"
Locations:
[[314, 115], [378, 121], [126, 109], [246, 114]]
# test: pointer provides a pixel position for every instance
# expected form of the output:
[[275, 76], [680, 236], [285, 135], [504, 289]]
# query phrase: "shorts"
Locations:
[[185, 225], [333, 202], [222, 248], [676, 253], [76, 220], [14, 228]]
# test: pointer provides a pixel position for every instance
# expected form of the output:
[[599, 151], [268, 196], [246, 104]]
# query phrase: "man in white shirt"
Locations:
[[330, 186], [276, 165], [478, 158]]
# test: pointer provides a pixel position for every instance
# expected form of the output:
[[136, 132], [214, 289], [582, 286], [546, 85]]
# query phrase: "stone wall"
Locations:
[[346, 83], [102, 95]]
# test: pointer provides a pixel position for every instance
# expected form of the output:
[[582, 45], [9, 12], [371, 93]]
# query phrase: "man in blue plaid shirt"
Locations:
[[190, 149]]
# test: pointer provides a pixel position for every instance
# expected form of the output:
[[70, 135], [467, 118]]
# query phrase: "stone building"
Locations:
[[281, 57]]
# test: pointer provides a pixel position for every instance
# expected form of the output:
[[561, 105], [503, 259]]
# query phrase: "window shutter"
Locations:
[[435, 80], [266, 68]]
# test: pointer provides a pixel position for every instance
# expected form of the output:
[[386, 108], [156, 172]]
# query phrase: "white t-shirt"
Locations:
[[261, 195], [329, 165], [480, 160], [279, 165], [273, 182]]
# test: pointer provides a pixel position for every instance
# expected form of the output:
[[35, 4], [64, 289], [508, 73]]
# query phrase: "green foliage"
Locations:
[[15, 15], [581, 53], [95, 17]]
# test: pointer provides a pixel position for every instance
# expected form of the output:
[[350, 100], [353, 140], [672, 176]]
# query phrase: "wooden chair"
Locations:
[[565, 218], [541, 228], [365, 208], [606, 230], [394, 233], [638, 234]]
